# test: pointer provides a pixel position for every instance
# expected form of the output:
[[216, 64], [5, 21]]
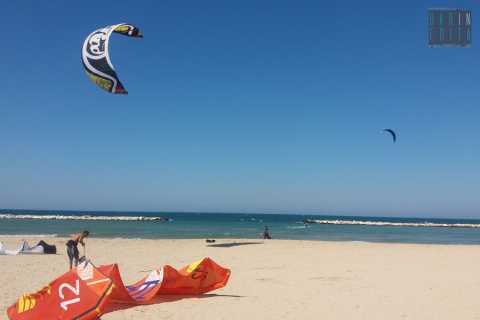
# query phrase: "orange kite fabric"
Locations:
[[87, 292]]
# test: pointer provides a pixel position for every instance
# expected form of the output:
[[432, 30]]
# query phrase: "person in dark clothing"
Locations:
[[266, 233], [72, 247]]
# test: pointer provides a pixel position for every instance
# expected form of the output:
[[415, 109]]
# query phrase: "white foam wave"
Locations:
[[79, 217], [394, 224], [297, 227]]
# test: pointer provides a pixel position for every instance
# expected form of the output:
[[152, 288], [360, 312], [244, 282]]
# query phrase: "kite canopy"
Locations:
[[87, 292], [392, 133], [96, 58]]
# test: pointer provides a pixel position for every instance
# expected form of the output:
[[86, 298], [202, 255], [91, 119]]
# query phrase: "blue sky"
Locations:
[[252, 106]]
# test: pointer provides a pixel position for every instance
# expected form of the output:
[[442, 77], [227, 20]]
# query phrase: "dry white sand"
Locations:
[[281, 279]]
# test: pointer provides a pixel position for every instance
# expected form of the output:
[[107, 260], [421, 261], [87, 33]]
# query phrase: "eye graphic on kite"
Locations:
[[96, 59]]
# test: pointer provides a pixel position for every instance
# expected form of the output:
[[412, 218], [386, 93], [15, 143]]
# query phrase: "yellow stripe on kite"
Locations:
[[193, 266], [27, 304], [21, 304]]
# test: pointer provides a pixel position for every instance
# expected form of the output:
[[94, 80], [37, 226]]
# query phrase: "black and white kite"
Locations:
[[96, 58]]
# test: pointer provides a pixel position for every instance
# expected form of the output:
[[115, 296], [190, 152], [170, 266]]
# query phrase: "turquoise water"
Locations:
[[215, 225]]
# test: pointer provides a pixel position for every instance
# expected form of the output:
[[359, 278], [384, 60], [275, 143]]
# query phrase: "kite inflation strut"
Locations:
[[96, 57]]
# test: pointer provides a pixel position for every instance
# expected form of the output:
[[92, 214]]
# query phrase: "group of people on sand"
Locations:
[[79, 238]]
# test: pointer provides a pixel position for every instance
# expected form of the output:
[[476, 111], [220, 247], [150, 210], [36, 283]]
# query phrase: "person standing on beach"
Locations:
[[266, 233], [72, 246]]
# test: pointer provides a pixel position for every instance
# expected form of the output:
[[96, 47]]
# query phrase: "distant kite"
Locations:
[[96, 58], [394, 135]]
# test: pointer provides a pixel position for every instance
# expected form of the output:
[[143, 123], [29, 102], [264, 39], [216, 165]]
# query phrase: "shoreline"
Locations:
[[217, 226], [4, 238]]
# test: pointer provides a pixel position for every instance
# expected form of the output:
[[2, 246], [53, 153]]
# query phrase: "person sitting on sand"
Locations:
[[266, 233], [72, 246]]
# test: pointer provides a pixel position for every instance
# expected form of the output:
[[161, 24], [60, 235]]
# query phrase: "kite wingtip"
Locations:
[[121, 91]]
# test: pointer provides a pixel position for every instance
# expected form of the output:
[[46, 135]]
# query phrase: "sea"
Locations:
[[204, 225]]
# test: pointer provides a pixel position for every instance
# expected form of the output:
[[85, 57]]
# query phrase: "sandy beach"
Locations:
[[280, 279]]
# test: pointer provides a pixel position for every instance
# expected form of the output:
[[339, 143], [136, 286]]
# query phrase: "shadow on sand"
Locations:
[[167, 298], [232, 244]]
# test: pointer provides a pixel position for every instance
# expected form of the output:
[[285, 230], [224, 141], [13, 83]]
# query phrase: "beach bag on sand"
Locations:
[[47, 248]]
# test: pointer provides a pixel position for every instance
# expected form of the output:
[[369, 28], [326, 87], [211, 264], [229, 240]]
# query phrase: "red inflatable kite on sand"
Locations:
[[87, 292]]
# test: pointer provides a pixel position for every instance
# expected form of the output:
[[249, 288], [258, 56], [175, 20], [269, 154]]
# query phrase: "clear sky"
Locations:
[[240, 106]]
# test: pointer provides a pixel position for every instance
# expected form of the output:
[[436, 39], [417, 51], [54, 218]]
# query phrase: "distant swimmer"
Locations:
[[266, 233], [72, 247]]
